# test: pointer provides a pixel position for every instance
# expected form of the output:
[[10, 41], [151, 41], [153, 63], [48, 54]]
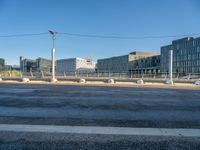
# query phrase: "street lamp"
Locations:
[[53, 33]]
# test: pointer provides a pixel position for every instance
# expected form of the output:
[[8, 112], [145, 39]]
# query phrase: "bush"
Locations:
[[12, 73]]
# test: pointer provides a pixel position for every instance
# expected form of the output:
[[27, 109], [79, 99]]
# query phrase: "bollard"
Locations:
[[110, 81], [169, 82], [54, 80], [25, 80], [140, 81], [197, 82], [82, 81]]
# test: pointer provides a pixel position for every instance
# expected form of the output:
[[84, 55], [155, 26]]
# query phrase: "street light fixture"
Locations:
[[53, 33]]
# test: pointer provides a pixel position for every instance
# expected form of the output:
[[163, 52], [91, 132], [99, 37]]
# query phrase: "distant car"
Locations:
[[197, 82], [187, 78]]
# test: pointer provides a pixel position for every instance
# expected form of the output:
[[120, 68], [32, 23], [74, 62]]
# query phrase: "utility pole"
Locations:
[[53, 33]]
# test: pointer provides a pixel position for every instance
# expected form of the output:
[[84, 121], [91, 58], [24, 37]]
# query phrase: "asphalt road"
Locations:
[[137, 107]]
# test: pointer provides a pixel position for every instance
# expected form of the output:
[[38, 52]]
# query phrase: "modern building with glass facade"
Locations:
[[124, 63], [186, 56], [2, 62], [44, 65], [145, 65], [38, 65], [75, 65], [113, 64]]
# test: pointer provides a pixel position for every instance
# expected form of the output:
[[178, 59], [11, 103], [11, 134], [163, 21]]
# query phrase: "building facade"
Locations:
[[124, 63], [3, 66], [44, 65], [113, 64], [73, 65], [145, 65], [38, 65], [2, 62], [186, 56]]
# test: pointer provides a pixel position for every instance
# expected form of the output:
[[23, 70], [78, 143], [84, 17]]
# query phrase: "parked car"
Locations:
[[197, 82], [187, 77]]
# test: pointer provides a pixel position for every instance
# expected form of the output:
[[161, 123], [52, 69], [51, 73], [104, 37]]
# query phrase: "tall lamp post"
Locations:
[[53, 33]]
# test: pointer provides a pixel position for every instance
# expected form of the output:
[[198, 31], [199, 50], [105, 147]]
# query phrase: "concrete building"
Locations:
[[73, 65], [123, 63], [186, 56], [38, 65], [145, 65]]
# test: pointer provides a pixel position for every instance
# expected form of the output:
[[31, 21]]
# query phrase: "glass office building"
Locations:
[[145, 65], [186, 56], [2, 62], [38, 65], [124, 63], [43, 65]]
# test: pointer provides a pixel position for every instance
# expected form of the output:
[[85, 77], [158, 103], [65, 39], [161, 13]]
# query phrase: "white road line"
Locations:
[[100, 130]]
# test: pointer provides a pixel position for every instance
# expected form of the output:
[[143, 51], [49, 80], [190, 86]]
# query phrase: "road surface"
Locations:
[[170, 112]]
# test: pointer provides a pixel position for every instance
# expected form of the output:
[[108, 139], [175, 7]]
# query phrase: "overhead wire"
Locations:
[[127, 37], [101, 36], [22, 35]]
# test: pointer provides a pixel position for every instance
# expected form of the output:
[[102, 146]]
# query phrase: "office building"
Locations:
[[38, 65], [145, 65], [186, 56], [2, 62], [44, 65], [123, 63], [73, 65]]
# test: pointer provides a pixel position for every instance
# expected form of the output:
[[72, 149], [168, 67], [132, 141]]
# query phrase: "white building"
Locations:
[[72, 65]]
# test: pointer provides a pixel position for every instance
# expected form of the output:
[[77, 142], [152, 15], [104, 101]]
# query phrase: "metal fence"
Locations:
[[115, 75]]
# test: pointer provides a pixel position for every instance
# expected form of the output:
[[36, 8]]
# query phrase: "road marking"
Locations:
[[100, 130]]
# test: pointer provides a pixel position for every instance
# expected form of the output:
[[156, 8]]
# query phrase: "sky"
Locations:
[[133, 18]]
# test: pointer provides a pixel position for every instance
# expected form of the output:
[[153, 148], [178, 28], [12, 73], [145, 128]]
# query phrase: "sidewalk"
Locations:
[[101, 83]]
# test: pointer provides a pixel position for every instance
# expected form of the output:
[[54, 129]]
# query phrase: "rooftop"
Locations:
[[182, 40]]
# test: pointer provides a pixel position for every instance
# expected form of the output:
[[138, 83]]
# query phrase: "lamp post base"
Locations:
[[53, 80], [169, 82]]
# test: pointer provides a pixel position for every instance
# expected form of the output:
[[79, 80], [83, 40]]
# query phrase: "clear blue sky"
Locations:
[[102, 17]]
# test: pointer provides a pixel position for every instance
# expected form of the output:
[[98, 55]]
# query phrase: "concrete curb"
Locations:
[[101, 130]]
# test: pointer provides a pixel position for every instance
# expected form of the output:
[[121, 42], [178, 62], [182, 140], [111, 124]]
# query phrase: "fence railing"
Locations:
[[117, 75]]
